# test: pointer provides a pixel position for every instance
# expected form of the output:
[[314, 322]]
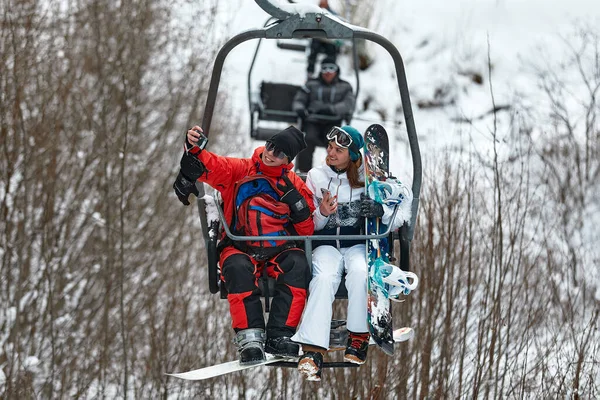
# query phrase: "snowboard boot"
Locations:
[[356, 350], [282, 346], [250, 344], [310, 365]]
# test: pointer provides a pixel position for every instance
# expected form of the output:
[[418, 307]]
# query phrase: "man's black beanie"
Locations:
[[290, 141]]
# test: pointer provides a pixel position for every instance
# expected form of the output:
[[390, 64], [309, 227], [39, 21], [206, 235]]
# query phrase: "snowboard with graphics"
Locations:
[[379, 313]]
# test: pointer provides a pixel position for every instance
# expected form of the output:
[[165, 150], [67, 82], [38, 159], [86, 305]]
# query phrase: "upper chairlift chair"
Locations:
[[303, 22], [273, 101]]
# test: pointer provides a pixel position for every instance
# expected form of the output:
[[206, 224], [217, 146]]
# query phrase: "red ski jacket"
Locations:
[[224, 172]]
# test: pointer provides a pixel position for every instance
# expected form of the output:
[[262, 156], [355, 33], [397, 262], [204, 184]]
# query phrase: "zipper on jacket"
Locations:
[[337, 242]]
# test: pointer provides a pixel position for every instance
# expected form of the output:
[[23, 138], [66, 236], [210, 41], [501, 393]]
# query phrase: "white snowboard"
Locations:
[[226, 368], [400, 335]]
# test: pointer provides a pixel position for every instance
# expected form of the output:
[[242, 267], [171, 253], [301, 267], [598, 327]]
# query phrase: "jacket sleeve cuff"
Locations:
[[319, 219]]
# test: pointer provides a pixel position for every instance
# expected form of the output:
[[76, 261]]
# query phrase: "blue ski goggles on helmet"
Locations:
[[340, 136], [277, 152]]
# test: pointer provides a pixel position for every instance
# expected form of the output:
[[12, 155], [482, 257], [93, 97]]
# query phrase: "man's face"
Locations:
[[329, 72], [271, 157]]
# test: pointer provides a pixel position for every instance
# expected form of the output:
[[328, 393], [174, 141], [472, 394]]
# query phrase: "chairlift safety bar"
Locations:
[[307, 239]]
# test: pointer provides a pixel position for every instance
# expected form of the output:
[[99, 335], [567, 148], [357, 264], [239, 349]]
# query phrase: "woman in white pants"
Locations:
[[341, 207]]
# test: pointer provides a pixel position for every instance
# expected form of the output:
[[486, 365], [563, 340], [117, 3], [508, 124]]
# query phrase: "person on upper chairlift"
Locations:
[[322, 103], [261, 196], [329, 47], [340, 209]]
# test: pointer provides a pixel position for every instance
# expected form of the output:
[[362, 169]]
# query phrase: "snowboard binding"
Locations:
[[389, 192], [394, 281]]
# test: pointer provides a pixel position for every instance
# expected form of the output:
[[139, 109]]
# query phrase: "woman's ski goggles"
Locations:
[[340, 136], [329, 68], [277, 152]]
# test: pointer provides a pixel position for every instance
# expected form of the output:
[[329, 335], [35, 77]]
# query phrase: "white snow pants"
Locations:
[[328, 264]]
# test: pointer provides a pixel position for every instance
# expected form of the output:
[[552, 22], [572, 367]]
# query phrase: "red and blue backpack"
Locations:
[[258, 212]]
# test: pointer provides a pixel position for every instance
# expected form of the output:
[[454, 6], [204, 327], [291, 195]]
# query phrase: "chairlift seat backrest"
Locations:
[[278, 97], [274, 104]]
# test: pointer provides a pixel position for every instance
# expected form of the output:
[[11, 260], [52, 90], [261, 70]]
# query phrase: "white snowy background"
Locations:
[[103, 281], [511, 45], [445, 44]]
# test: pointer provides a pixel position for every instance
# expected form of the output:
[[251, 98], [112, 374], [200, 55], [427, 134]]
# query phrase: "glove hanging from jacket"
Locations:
[[191, 169], [299, 210]]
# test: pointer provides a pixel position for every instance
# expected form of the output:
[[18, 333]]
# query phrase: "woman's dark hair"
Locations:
[[353, 173]]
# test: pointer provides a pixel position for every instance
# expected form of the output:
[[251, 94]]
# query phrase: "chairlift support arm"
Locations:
[[317, 24], [273, 9], [311, 25]]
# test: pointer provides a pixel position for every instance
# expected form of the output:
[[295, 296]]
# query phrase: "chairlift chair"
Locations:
[[305, 23], [273, 102]]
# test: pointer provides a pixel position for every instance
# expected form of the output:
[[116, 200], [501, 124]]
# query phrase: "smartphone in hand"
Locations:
[[327, 195]]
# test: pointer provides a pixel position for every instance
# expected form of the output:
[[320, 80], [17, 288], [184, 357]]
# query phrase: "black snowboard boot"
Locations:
[[357, 347], [250, 343], [310, 365], [282, 346]]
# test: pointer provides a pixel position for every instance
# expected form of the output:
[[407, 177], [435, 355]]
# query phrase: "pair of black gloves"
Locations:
[[326, 109], [190, 170]]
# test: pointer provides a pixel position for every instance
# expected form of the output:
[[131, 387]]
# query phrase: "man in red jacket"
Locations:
[[261, 196]]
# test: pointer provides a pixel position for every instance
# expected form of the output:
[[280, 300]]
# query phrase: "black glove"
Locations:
[[302, 113], [369, 208], [191, 170], [191, 167], [184, 187], [299, 210]]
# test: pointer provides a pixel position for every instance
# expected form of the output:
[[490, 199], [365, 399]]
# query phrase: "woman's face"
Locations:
[[337, 156]]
